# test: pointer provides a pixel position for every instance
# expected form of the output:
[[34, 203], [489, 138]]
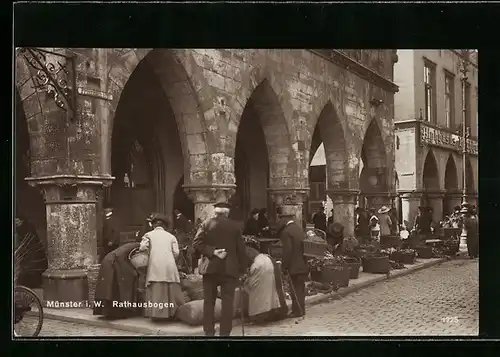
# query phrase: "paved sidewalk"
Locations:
[[140, 325]]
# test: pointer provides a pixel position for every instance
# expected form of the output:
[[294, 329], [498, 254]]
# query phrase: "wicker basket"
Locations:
[[390, 242], [424, 252], [315, 248], [404, 258], [376, 264], [354, 265], [139, 259], [92, 277], [332, 274]]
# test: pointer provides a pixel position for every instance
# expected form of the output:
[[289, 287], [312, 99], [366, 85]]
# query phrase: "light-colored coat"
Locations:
[[385, 224], [163, 249]]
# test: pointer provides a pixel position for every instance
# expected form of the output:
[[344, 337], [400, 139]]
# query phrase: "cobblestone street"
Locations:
[[441, 300], [54, 328]]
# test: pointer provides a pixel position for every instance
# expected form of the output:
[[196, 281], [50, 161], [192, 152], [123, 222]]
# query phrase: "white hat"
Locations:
[[383, 210]]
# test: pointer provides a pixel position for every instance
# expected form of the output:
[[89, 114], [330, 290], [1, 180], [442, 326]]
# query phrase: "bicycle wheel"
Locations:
[[28, 312]]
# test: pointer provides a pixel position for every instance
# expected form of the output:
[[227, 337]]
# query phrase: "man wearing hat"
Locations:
[[294, 263], [111, 233], [224, 260], [252, 225]]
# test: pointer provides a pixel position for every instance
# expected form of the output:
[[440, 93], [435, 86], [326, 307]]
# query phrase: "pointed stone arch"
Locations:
[[266, 104], [330, 132], [430, 172], [451, 182], [374, 175], [182, 84]]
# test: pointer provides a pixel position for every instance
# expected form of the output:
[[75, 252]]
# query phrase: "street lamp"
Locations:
[[464, 69]]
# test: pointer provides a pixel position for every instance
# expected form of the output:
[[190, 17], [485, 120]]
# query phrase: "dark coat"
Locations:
[[222, 233], [319, 220], [252, 227], [292, 238], [363, 225], [117, 279], [110, 233], [263, 222], [471, 227]]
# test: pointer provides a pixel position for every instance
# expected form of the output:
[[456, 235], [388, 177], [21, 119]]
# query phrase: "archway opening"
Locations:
[[28, 200], [327, 161], [147, 154], [373, 166], [450, 184], [252, 166], [430, 173]]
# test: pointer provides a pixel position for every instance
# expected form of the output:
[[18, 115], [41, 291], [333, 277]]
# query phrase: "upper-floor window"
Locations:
[[449, 95], [429, 80]]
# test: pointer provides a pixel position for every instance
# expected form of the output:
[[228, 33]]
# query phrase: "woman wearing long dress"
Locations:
[[266, 300], [163, 291]]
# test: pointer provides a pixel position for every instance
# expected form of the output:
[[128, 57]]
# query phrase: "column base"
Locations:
[[65, 286]]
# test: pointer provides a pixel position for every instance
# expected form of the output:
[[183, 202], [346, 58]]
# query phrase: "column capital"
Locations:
[[70, 189], [70, 180], [289, 196], [343, 196], [209, 193]]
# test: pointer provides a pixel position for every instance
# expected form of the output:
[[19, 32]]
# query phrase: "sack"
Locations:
[[203, 266], [186, 297], [193, 285], [191, 313]]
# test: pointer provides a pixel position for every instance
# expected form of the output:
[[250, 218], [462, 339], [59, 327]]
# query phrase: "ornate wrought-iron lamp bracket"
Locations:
[[53, 77]]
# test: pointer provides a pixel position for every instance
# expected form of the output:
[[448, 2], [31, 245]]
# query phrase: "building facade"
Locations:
[[429, 109], [145, 130]]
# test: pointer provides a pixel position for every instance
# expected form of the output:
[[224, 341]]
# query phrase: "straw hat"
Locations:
[[383, 210]]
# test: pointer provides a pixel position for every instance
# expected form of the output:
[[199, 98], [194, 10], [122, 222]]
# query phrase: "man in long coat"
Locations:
[[110, 233], [224, 260], [294, 263]]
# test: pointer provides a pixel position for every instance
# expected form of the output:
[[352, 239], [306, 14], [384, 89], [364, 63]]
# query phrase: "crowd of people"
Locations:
[[226, 262]]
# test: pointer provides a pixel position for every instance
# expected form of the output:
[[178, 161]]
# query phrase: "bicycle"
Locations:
[[28, 312]]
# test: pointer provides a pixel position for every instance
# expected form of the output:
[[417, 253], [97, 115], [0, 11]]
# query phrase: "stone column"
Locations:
[[435, 201], [410, 201], [344, 205], [71, 234], [204, 197], [290, 200]]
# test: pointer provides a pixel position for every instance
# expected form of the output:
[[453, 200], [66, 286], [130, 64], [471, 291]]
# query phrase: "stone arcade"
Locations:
[[158, 129]]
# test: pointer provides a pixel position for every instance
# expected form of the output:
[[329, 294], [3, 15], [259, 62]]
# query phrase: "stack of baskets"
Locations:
[[92, 277]]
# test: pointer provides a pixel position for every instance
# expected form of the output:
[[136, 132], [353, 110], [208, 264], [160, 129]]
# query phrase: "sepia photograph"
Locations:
[[245, 192]]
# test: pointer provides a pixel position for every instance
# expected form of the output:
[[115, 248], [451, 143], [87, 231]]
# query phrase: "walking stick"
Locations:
[[290, 283], [242, 313]]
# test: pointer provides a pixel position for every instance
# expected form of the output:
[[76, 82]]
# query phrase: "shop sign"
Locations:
[[447, 140]]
